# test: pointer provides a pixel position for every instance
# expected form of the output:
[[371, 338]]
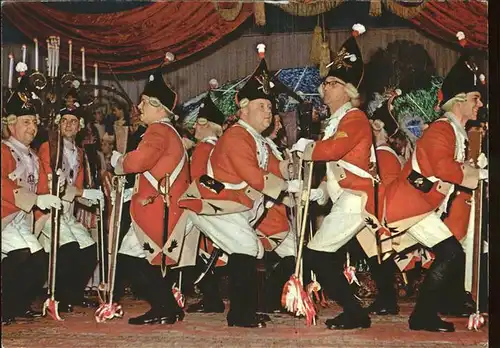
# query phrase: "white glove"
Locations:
[[482, 161], [301, 144], [48, 201], [127, 194], [316, 195], [293, 186], [115, 157], [93, 195], [483, 174]]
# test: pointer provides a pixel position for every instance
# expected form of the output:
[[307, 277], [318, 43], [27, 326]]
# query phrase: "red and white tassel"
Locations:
[[476, 321], [350, 271], [176, 291]]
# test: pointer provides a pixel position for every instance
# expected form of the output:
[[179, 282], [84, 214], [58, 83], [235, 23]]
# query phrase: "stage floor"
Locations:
[[79, 329]]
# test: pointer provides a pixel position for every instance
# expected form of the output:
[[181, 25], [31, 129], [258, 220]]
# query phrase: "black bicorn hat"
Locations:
[[385, 114], [23, 101], [209, 111], [347, 64], [464, 77], [159, 89], [259, 85], [76, 108]]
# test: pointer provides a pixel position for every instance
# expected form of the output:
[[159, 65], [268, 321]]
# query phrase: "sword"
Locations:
[[50, 306], [216, 253], [100, 243], [107, 309], [166, 205]]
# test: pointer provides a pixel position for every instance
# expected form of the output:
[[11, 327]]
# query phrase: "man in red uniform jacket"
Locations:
[[229, 201], [77, 253], [389, 163], [24, 186], [160, 152], [347, 148], [207, 129], [428, 179], [277, 236]]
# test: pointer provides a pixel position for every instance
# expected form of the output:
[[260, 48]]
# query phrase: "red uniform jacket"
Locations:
[[44, 154], [459, 215], [199, 159], [159, 152], [275, 221], [234, 160], [389, 166], [15, 197], [435, 153], [352, 143]]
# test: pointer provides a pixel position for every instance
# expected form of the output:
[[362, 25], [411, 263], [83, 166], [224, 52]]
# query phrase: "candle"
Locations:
[[11, 69], [70, 43], [36, 53], [49, 56], [57, 55], [53, 61], [83, 63], [23, 48], [96, 80]]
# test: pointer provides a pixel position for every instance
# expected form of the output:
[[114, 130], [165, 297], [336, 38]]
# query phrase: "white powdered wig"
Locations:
[[353, 93], [461, 97]]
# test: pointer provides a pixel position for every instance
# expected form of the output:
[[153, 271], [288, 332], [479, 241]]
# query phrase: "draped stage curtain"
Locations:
[[135, 40], [441, 19], [130, 41], [444, 19]]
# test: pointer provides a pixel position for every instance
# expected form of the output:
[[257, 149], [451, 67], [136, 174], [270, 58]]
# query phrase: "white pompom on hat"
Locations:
[[358, 29], [261, 48]]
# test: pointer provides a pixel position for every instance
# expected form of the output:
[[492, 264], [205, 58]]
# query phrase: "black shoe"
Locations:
[[201, 307], [458, 312], [150, 317], [263, 317], [380, 308], [274, 309], [434, 324], [252, 322], [347, 322], [30, 314], [171, 318], [156, 317], [8, 320]]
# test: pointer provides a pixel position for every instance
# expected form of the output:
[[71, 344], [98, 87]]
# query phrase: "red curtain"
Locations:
[[136, 40], [444, 19], [129, 41]]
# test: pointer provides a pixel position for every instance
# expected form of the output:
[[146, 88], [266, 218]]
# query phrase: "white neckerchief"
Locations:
[[210, 139], [27, 166], [260, 142], [334, 120], [460, 137], [274, 149], [70, 152]]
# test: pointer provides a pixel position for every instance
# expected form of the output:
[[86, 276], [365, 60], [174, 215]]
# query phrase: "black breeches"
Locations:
[[23, 275]]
